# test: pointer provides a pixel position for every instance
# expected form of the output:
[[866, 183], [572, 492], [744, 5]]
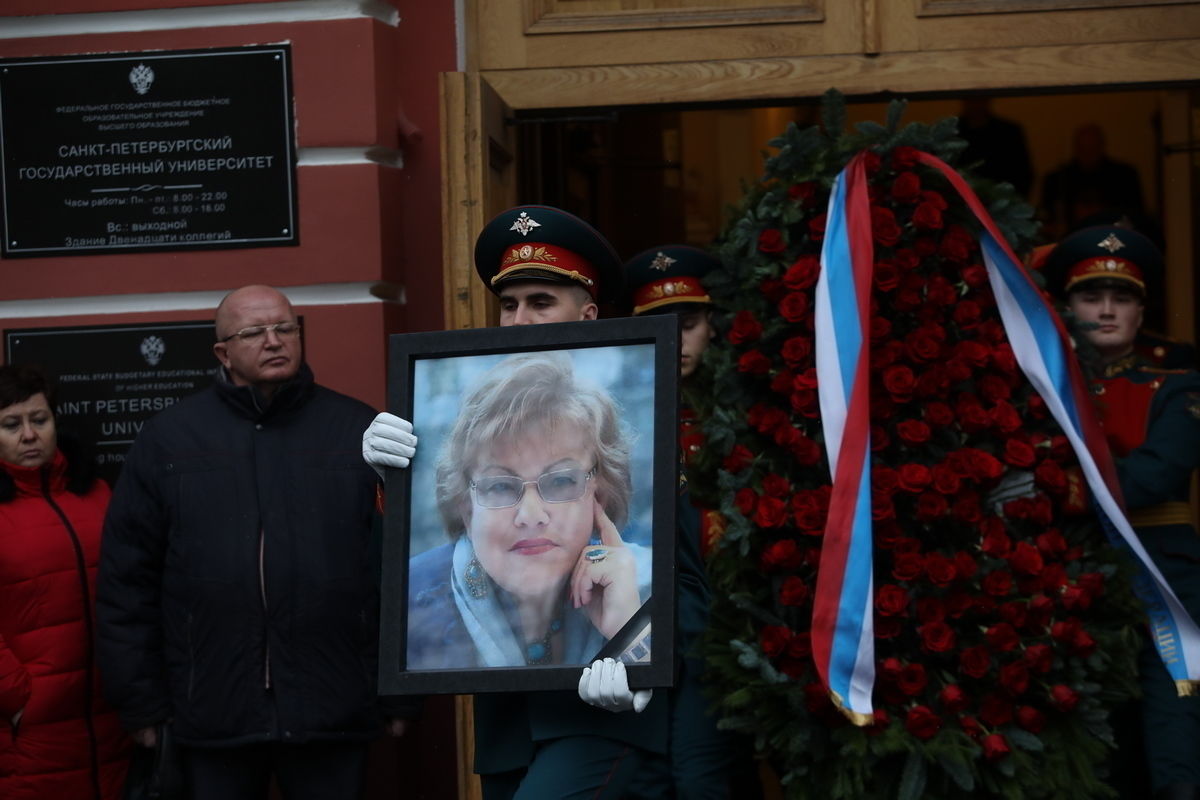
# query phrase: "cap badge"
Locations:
[[1111, 243], [662, 262], [525, 224], [1112, 265]]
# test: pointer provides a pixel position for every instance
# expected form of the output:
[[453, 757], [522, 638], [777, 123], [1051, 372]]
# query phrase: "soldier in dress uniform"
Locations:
[[546, 265], [668, 280], [1151, 418]]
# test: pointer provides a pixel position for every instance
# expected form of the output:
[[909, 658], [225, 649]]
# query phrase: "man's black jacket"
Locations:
[[237, 590]]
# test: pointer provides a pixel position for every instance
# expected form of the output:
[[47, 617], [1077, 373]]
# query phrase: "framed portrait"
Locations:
[[534, 530]]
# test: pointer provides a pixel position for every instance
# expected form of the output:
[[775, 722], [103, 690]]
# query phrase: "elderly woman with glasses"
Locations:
[[533, 485]]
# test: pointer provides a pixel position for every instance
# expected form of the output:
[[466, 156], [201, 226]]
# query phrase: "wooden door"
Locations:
[[479, 181]]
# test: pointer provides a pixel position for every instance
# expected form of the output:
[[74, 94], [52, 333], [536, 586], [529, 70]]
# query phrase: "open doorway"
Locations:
[[645, 176]]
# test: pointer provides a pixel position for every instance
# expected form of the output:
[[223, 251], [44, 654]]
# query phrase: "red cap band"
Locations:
[[684, 289], [539, 258], [1111, 267]]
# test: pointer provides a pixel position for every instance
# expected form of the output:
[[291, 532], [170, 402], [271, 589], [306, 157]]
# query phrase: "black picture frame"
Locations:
[[634, 360]]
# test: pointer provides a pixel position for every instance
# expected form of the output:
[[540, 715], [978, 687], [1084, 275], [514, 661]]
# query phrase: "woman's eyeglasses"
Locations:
[[505, 491], [284, 330]]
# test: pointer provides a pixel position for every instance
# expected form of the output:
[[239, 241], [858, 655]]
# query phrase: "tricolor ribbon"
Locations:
[[842, 625], [1043, 351], [843, 631]]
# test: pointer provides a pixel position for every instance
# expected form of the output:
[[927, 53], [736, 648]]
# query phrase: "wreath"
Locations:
[[1005, 626]]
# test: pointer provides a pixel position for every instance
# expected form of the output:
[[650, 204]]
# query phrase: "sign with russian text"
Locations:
[[131, 152], [112, 378]]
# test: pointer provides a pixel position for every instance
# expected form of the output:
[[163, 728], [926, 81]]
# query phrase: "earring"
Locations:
[[476, 579]]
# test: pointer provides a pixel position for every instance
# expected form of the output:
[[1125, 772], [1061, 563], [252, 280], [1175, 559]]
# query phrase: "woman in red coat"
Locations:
[[58, 739]]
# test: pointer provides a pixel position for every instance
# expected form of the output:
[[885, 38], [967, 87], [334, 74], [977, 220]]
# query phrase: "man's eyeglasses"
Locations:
[[284, 330], [505, 491]]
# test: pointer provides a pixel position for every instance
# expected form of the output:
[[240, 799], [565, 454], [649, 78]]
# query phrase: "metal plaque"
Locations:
[[132, 152]]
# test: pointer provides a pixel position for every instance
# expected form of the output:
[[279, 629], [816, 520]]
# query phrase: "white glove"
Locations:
[[605, 685], [388, 442]]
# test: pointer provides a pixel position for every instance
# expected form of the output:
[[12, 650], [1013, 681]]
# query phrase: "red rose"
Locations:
[[1031, 719], [953, 698], [913, 431], [931, 506], [927, 217], [746, 328], [1005, 418], [738, 459], [937, 637], [1026, 560], [884, 480], [1039, 658], [998, 583], [941, 291], [995, 747], [985, 466], [783, 554], [967, 314], [940, 569], [771, 241], [745, 500], [804, 193], [972, 415], [1015, 613], [922, 722], [793, 592], [904, 157], [886, 276], [803, 272], [914, 477], [906, 188], [993, 388], [771, 512], [797, 351], [945, 480], [1051, 542], [1002, 637], [765, 419], [773, 639], [884, 227], [1019, 454], [1064, 698], [800, 645], [907, 566], [890, 669], [938, 413], [809, 508], [995, 541], [974, 662], [816, 227], [1050, 476], [891, 600], [912, 680], [882, 720], [995, 710], [971, 727], [965, 565], [1014, 678], [967, 509], [794, 306], [776, 485], [924, 344], [972, 352], [754, 363], [1083, 645], [974, 275], [899, 380]]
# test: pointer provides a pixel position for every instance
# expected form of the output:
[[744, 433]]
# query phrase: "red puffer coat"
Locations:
[[68, 743]]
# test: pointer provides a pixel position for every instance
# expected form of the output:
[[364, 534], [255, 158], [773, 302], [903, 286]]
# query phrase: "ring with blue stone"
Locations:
[[596, 554]]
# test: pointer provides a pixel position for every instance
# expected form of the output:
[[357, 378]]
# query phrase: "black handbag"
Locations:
[[156, 773]]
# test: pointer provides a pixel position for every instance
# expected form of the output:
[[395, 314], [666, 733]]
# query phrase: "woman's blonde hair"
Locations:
[[528, 394]]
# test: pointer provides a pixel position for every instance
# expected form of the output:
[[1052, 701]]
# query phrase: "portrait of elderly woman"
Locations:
[[533, 486]]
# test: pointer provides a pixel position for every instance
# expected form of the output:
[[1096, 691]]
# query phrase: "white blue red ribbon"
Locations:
[[843, 635], [1043, 352]]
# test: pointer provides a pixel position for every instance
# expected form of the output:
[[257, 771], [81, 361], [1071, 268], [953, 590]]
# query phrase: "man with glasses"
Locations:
[[231, 602]]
